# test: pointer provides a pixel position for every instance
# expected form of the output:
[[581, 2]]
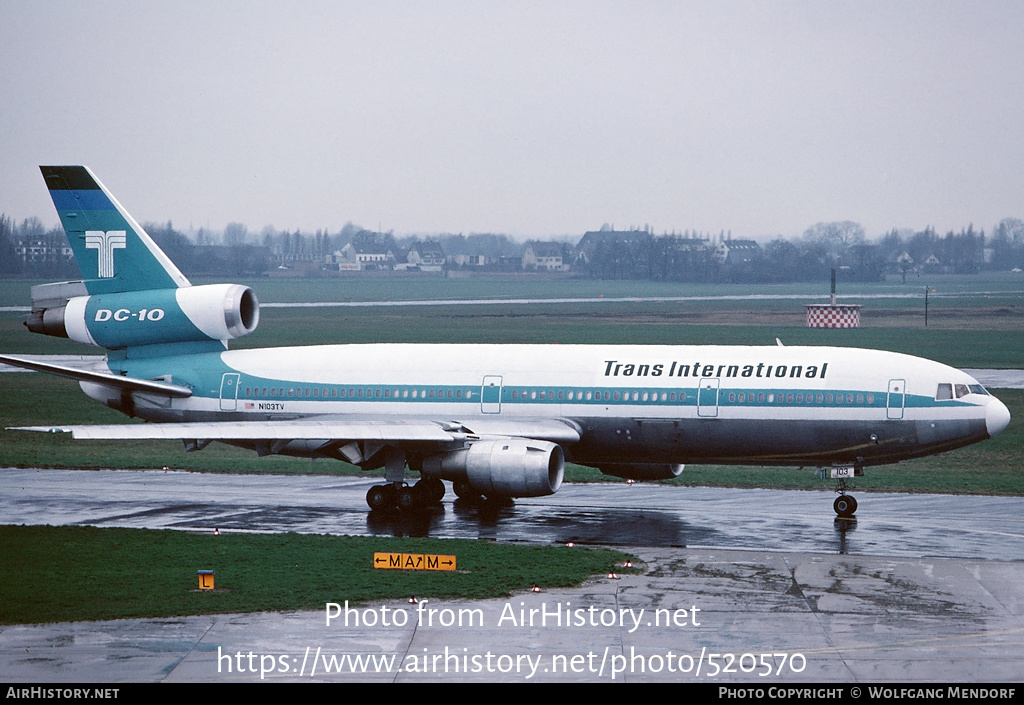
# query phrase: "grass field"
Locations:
[[1008, 285], [54, 574]]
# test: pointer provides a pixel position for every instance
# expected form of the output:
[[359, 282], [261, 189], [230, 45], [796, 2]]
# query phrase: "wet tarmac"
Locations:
[[763, 586], [694, 616], [888, 524]]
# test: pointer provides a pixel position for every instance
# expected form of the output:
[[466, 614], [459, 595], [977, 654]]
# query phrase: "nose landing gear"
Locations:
[[845, 504]]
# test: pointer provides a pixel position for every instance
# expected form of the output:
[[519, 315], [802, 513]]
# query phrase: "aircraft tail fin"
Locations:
[[132, 296], [113, 251]]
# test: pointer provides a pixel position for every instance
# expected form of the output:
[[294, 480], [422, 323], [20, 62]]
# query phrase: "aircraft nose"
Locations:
[[997, 416]]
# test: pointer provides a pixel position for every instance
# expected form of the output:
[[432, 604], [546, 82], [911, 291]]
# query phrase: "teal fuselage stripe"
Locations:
[[683, 397]]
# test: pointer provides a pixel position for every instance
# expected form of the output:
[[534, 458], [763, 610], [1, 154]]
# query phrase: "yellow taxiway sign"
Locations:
[[413, 561]]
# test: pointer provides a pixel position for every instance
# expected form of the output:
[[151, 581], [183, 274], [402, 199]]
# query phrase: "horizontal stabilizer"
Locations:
[[130, 384]]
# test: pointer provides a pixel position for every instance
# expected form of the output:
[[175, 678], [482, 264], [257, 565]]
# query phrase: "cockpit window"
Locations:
[[946, 391]]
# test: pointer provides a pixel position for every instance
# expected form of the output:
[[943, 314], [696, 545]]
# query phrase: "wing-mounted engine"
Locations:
[[218, 312], [507, 467]]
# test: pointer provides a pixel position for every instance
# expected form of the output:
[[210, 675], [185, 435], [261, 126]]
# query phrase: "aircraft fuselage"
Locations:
[[631, 404]]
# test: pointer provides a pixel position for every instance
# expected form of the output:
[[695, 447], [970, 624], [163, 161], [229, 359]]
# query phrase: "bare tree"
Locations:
[[836, 237], [235, 234]]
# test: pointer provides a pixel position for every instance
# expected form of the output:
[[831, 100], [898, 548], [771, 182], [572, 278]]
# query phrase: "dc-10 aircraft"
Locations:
[[497, 421]]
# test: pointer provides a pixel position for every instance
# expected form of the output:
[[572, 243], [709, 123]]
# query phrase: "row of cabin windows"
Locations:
[[378, 393], [790, 398], [598, 395], [358, 393], [571, 395]]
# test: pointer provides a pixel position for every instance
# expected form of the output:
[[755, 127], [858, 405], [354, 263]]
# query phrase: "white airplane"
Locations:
[[496, 420]]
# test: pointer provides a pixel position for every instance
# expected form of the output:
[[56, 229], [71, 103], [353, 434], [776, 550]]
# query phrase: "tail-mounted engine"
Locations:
[[131, 318], [508, 467]]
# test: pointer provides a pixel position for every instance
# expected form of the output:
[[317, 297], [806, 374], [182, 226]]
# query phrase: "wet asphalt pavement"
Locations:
[[922, 588], [889, 524]]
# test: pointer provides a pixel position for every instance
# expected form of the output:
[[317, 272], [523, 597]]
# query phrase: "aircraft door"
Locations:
[[896, 398], [707, 397], [490, 395], [229, 391]]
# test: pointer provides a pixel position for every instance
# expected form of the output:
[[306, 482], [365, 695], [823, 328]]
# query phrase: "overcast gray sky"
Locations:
[[527, 118]]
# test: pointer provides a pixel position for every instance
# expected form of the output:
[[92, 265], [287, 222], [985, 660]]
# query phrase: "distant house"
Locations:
[[545, 257], [689, 244], [43, 248], [468, 260], [508, 264], [366, 257], [426, 256], [734, 252], [905, 261], [932, 265]]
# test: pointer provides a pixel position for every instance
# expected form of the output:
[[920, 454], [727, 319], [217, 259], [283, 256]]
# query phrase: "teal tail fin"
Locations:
[[113, 251], [132, 296]]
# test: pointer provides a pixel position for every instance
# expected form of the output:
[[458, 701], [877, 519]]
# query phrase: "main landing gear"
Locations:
[[428, 491]]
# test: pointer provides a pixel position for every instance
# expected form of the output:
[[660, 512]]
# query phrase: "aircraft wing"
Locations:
[[130, 384], [335, 428]]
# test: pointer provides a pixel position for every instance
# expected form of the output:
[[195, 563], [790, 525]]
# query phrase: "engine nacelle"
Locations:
[[642, 471], [509, 467], [126, 319]]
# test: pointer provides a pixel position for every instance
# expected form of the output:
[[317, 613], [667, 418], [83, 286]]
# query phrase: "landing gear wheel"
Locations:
[[845, 506], [408, 498], [380, 497], [463, 490], [432, 489]]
